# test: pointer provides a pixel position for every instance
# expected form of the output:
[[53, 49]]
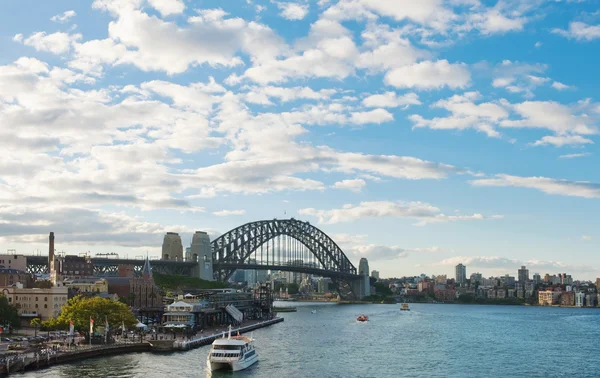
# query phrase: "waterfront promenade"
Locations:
[[50, 355]]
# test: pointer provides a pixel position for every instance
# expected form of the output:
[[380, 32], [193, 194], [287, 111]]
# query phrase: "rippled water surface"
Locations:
[[428, 341]]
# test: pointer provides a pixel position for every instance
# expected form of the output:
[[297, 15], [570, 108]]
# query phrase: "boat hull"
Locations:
[[233, 365]]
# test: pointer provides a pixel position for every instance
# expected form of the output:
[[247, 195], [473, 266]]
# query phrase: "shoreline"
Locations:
[[27, 363]]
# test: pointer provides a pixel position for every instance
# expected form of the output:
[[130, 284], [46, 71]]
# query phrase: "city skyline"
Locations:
[[417, 137]]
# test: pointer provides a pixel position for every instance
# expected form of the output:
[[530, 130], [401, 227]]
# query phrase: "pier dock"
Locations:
[[205, 340]]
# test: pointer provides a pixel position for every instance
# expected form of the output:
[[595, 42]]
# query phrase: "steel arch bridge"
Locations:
[[286, 245]]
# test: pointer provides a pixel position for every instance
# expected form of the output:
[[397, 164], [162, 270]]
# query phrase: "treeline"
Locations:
[[174, 283]]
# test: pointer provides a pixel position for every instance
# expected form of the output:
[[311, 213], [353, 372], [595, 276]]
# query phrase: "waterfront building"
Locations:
[[565, 279], [520, 293], [426, 286], [36, 303], [523, 274], [172, 248], [491, 294], [548, 297], [598, 283], [13, 261], [445, 294], [579, 299], [591, 300], [501, 294], [460, 274], [207, 308], [70, 267], [9, 277], [188, 254], [488, 282], [87, 285], [536, 278], [567, 299], [476, 277], [202, 252], [529, 289], [375, 274], [507, 280], [441, 279], [510, 293]]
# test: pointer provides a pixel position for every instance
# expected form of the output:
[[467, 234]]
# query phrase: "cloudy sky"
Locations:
[[418, 134]]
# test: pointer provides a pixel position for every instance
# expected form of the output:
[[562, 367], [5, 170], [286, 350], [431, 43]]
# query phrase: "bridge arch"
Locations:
[[233, 249]]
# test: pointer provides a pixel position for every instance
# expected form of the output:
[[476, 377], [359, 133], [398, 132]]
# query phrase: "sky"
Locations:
[[419, 135]]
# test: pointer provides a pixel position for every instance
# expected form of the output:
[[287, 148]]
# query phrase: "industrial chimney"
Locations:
[[51, 252]]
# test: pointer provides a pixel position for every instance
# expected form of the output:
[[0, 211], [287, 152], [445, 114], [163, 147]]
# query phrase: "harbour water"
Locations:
[[428, 341]]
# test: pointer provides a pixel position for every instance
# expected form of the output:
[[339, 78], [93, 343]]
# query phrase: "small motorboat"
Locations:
[[313, 312], [362, 318], [404, 307]]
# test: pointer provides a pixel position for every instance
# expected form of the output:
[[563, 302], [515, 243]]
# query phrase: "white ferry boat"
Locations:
[[232, 353]]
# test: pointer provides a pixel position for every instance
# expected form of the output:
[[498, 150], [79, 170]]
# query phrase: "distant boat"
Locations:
[[404, 307], [313, 312], [362, 318], [232, 353]]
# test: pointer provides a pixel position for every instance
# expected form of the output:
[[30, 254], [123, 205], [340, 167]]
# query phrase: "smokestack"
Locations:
[[51, 251]]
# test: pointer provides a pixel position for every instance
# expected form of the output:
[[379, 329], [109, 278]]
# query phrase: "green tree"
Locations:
[[80, 309], [9, 316], [381, 288], [35, 323]]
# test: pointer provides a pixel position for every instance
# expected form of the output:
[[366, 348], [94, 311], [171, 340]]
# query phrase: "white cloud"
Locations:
[[573, 156], [517, 77], [493, 21], [373, 116], [211, 37], [423, 212], [429, 75], [465, 114], [292, 11], [168, 7], [262, 95], [76, 225], [560, 86], [547, 185], [537, 45], [55, 43], [553, 116], [225, 213], [580, 31], [355, 185], [565, 140], [391, 100], [586, 237], [64, 17]]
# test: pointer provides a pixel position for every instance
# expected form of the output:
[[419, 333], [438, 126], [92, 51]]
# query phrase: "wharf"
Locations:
[[28, 361], [285, 309], [205, 340]]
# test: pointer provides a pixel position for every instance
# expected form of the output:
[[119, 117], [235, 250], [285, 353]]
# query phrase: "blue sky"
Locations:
[[416, 134]]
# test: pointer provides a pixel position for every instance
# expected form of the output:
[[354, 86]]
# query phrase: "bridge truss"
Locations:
[[286, 245], [108, 267]]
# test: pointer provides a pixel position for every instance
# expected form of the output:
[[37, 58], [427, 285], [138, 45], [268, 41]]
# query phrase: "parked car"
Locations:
[[6, 340]]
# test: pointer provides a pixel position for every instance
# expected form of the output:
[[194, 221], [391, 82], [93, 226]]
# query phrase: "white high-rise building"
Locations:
[[461, 274], [375, 274]]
